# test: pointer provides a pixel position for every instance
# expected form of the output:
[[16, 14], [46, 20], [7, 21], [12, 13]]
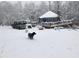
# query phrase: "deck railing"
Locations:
[[58, 23]]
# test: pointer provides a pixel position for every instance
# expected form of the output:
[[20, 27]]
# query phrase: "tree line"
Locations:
[[10, 12]]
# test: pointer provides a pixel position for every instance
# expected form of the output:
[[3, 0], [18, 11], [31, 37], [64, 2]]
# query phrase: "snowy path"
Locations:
[[47, 43]]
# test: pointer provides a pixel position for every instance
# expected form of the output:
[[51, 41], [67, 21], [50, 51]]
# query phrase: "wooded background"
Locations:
[[9, 12]]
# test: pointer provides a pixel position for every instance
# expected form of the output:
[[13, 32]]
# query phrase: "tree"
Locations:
[[6, 12], [29, 10], [19, 10], [43, 7], [70, 9]]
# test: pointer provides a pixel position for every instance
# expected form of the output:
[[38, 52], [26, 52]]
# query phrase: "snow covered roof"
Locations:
[[49, 14]]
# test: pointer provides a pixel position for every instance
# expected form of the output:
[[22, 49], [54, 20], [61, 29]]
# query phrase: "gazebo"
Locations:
[[48, 18], [51, 19]]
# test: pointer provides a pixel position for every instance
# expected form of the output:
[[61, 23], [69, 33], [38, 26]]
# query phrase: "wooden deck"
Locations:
[[55, 24]]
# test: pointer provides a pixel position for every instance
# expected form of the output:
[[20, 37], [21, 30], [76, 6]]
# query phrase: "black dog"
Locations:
[[31, 35]]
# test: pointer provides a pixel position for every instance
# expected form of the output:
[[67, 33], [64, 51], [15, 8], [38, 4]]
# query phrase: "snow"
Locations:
[[47, 43], [49, 14]]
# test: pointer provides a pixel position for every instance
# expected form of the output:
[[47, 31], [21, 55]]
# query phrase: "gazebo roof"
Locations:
[[49, 14]]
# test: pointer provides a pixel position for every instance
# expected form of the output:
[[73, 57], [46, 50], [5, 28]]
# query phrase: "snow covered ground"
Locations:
[[48, 43]]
